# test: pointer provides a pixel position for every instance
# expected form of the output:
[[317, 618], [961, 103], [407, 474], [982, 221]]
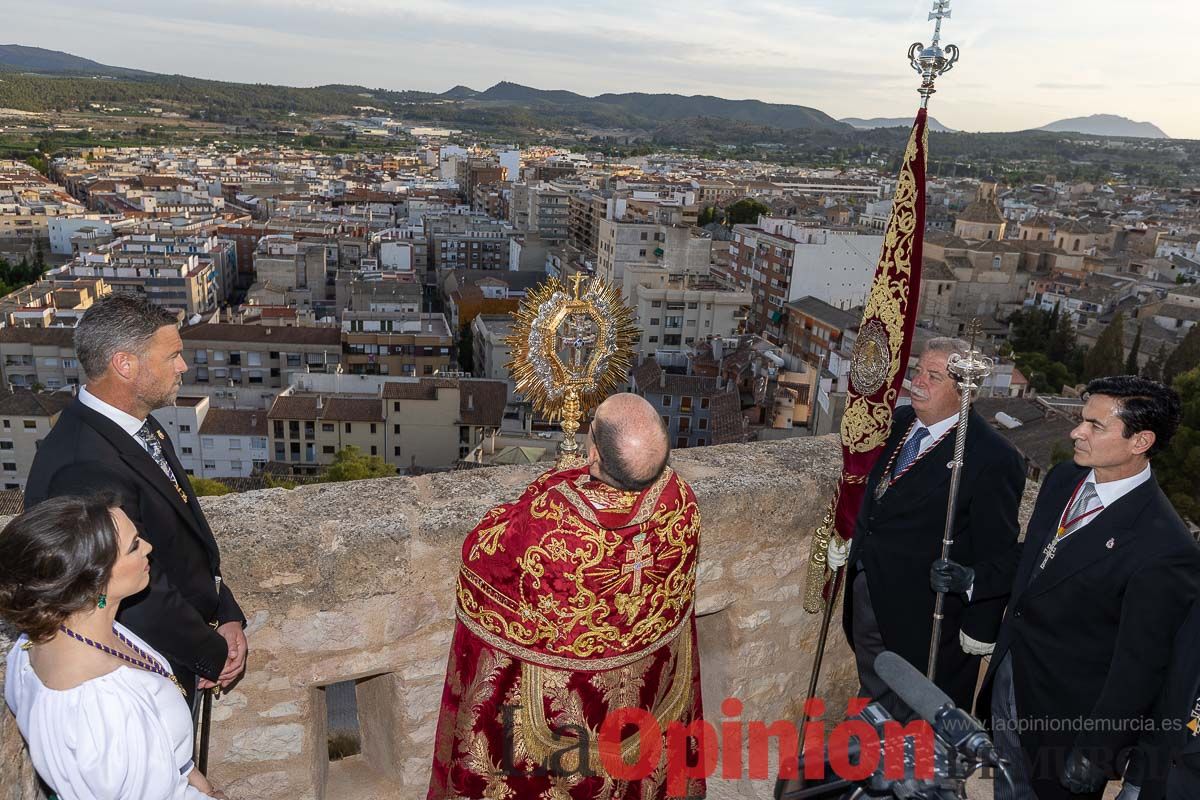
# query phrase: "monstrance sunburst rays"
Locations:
[[571, 349]]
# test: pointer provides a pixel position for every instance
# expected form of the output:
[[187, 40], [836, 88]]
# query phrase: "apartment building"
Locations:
[[467, 241], [225, 354], [625, 244], [425, 423], [164, 270], [815, 328], [778, 261], [215, 442], [491, 353], [48, 304], [696, 411], [395, 343], [542, 208], [675, 310], [36, 357], [25, 419]]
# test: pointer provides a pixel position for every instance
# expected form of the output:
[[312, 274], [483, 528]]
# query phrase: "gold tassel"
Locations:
[[818, 574]]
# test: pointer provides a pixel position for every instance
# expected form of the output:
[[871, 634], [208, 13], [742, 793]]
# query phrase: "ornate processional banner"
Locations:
[[880, 355]]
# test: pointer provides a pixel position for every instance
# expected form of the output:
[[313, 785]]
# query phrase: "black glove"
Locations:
[[1081, 776], [951, 577]]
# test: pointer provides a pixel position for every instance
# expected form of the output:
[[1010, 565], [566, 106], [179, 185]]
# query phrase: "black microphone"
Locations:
[[931, 704]]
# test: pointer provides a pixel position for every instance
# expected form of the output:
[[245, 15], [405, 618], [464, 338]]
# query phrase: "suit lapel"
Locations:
[[193, 505], [134, 455], [1112, 529], [895, 442]]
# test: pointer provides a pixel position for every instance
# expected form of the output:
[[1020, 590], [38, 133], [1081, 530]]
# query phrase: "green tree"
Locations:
[[1061, 344], [746, 211], [1045, 376], [1107, 356], [1060, 452], [1154, 367], [1184, 358], [1178, 467], [350, 464], [273, 482], [208, 487], [1131, 363]]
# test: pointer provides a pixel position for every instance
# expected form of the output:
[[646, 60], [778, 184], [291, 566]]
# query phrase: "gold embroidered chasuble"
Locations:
[[572, 602]]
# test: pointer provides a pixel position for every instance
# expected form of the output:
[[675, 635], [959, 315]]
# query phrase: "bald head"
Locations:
[[629, 445]]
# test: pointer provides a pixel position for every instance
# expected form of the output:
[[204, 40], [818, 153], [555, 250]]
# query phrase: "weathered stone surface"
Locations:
[[266, 743], [355, 581]]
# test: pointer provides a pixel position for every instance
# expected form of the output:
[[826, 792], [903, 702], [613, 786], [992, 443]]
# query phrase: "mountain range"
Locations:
[[892, 122], [37, 59], [1106, 125], [504, 102]]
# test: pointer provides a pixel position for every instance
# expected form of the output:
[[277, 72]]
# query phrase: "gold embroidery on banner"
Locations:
[[867, 420], [541, 684]]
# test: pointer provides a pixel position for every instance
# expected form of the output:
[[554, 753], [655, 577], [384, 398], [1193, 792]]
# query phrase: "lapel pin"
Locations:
[[1109, 544], [160, 435]]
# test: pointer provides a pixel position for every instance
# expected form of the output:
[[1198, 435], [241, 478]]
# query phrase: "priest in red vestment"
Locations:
[[575, 606]]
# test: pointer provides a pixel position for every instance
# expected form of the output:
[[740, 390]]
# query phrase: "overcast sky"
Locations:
[[1024, 63]]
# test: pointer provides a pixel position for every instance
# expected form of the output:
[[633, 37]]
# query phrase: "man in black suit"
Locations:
[[1103, 580], [1166, 765], [888, 603], [106, 440]]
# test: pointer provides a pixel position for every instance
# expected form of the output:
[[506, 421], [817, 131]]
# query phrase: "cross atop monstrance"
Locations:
[[571, 348]]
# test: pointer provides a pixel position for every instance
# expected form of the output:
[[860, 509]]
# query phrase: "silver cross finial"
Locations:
[[941, 11], [931, 62]]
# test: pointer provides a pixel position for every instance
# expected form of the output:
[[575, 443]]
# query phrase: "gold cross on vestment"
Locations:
[[639, 558]]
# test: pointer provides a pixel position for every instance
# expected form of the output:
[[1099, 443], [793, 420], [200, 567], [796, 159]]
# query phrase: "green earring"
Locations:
[[102, 602]]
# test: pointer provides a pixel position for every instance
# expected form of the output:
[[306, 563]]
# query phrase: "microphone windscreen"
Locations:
[[910, 685]]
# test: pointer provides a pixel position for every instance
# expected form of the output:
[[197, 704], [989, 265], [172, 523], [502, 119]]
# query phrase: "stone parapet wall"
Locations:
[[355, 581]]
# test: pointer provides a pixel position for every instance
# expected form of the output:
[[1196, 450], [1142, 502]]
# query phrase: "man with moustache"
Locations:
[[889, 604], [1095, 596], [106, 441]]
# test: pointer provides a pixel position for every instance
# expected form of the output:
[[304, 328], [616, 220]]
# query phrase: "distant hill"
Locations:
[[1106, 125], [892, 122], [460, 92], [37, 59], [656, 108]]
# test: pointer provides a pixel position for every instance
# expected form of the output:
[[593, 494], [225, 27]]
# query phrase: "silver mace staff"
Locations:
[[969, 369]]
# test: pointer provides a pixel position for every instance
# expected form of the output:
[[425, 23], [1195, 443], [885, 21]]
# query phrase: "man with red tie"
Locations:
[[1096, 593]]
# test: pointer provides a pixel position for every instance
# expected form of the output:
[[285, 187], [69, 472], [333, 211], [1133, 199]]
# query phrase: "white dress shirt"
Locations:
[[936, 431], [1110, 492], [127, 422]]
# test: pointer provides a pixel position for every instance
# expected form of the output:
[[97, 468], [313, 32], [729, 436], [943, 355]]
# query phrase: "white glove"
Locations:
[[838, 553], [974, 648], [1129, 792]]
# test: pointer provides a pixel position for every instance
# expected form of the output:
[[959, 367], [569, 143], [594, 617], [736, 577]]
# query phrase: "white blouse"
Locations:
[[126, 735]]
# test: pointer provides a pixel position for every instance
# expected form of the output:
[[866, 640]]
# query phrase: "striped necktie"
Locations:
[[1077, 515]]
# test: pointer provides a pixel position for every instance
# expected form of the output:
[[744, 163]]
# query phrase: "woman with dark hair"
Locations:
[[102, 713]]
